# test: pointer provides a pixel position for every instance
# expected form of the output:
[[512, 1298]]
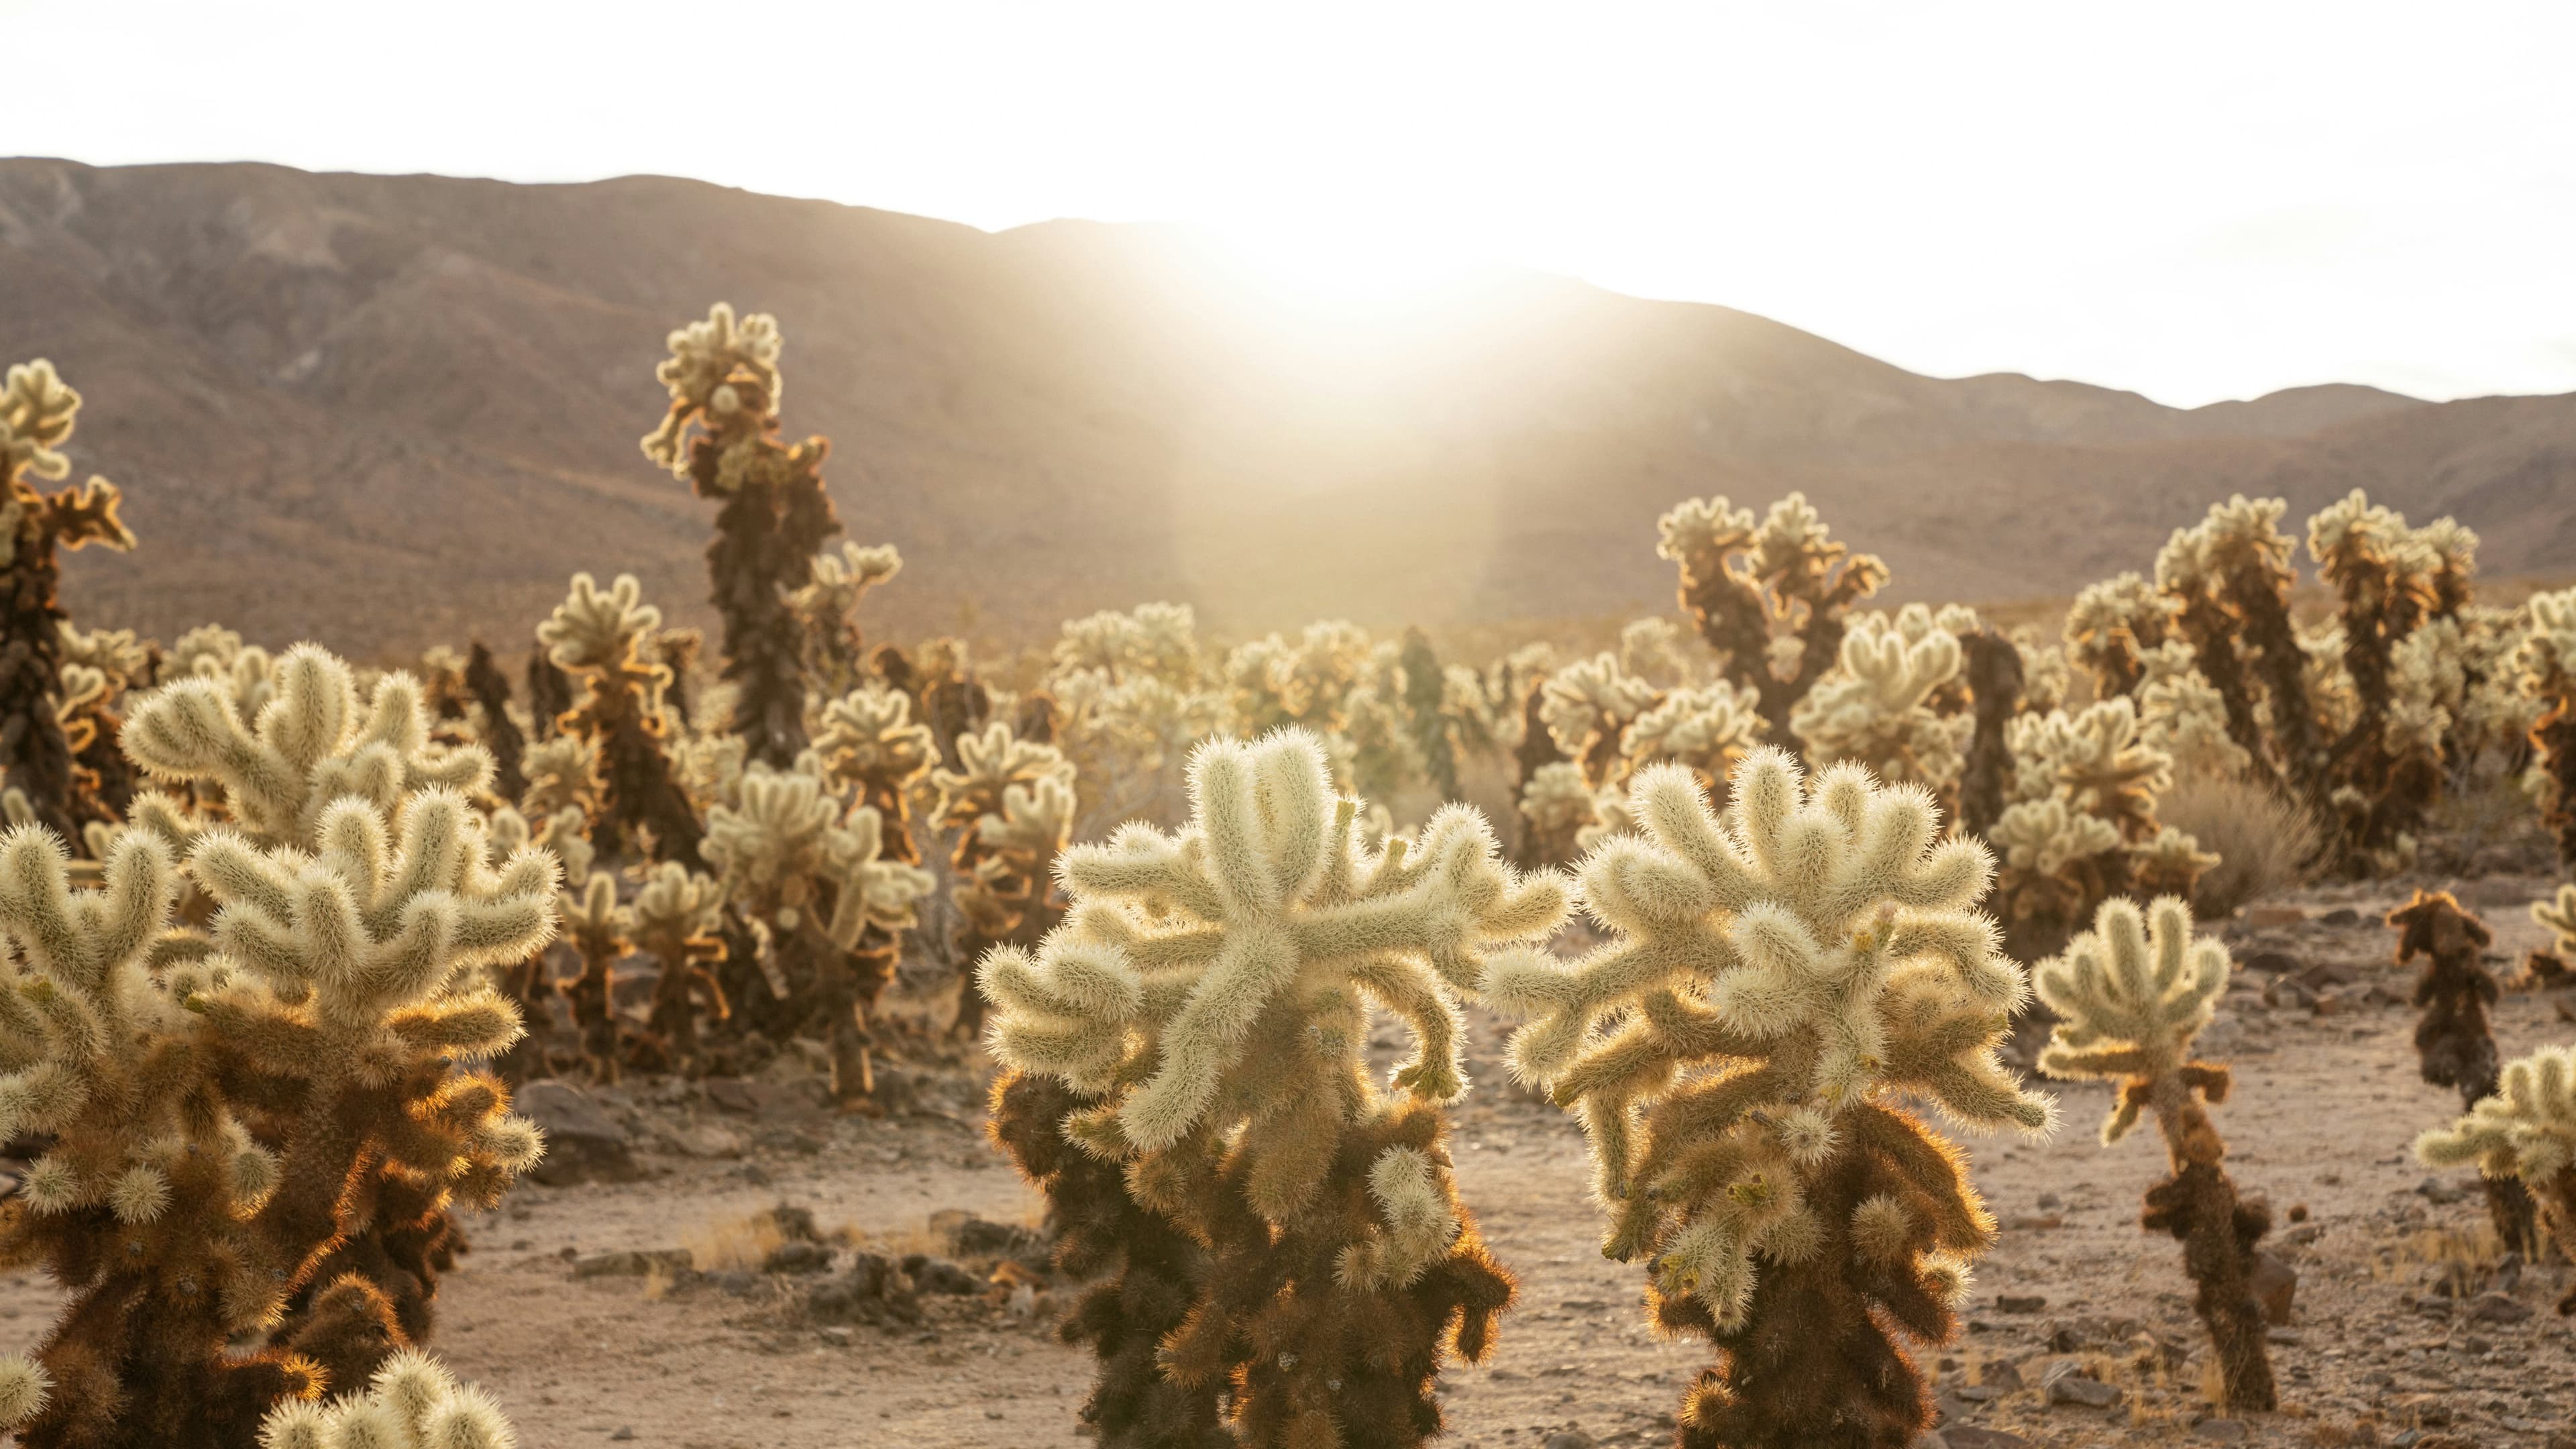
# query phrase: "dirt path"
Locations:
[[2325, 1107]]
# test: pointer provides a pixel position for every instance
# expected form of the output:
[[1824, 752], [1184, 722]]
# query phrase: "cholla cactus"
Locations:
[[1561, 815], [2527, 1132], [2001, 679], [2113, 626], [1778, 981], [599, 637], [2229, 578], [1207, 1003], [675, 918], [2547, 663], [2082, 826], [868, 743], [2453, 1041], [288, 1124], [1011, 804], [796, 858], [1651, 650], [1587, 706], [1709, 730], [596, 929], [2132, 993], [2184, 717], [828, 605], [1875, 708], [413, 1403], [1770, 599], [495, 727], [2386, 765], [721, 434], [1159, 641], [36, 416]]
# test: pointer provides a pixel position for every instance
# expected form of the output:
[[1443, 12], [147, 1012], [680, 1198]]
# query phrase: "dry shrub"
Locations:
[[2266, 843]]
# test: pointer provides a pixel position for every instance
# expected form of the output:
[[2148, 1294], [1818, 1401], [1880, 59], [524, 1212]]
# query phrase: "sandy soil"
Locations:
[[2326, 1104]]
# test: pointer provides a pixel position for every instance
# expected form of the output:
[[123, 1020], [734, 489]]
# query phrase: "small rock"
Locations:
[[2339, 916], [2497, 1308], [2019, 1303], [708, 1140], [938, 1275], [2003, 1374], [798, 1258], [583, 1142], [624, 1432], [1969, 1436], [2078, 1390], [969, 1236], [2276, 915], [2329, 973], [2435, 1190], [2276, 1286], [838, 1336], [1569, 1439], [1979, 1393], [2225, 1431]]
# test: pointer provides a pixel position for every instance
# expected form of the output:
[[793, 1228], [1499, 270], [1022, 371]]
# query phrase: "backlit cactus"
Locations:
[[2131, 994], [1771, 599], [1011, 804], [269, 1129], [2526, 1132], [1778, 981], [2546, 661], [37, 413], [808, 868], [1876, 707], [1207, 1003], [600, 637], [721, 434], [413, 1402]]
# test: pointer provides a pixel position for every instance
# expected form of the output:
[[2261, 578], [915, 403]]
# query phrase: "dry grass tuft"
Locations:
[[738, 1242], [2266, 842]]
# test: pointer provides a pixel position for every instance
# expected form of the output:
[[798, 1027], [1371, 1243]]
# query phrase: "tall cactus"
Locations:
[[37, 413], [721, 434], [2132, 993]]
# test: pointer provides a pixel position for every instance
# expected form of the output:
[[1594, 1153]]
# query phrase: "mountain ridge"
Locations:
[[420, 395]]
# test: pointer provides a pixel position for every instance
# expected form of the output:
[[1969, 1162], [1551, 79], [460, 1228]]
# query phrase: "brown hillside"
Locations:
[[386, 410]]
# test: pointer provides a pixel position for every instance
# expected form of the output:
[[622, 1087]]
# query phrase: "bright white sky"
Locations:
[[2198, 201]]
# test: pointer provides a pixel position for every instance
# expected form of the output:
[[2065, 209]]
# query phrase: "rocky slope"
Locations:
[[387, 410]]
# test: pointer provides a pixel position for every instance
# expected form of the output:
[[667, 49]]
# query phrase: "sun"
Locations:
[[1349, 263]]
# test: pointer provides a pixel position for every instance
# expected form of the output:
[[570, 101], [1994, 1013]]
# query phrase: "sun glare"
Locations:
[[1349, 265]]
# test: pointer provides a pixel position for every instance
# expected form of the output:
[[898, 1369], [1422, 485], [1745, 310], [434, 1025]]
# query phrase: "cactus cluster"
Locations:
[[1779, 980], [2081, 825], [257, 1127], [1206, 1006]]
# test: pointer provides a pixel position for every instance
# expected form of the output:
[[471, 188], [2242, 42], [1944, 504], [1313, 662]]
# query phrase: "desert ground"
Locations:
[[578, 1309]]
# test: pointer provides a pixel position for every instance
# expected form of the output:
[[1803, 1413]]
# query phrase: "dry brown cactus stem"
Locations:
[[490, 689], [1143, 1274], [1772, 599], [2453, 1040], [1994, 684]]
